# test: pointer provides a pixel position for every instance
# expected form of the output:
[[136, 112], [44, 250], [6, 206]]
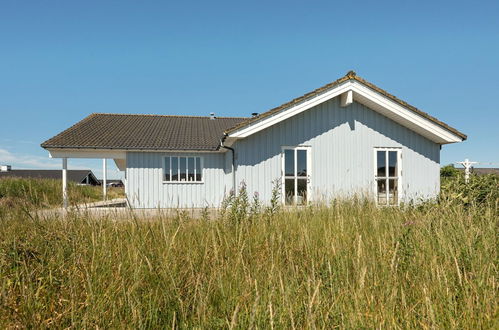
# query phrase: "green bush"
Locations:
[[481, 190]]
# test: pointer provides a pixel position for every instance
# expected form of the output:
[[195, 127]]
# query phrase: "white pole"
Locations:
[[104, 178], [65, 183], [467, 167]]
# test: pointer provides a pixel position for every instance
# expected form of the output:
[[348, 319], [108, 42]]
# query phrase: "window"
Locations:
[[296, 175], [387, 175], [183, 169]]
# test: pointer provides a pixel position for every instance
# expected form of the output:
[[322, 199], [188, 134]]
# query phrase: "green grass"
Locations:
[[43, 193], [348, 265]]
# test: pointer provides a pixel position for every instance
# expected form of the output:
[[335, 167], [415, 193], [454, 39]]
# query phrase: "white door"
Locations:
[[296, 175]]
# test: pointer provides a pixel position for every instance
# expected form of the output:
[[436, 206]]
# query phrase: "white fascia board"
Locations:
[[435, 132], [85, 153], [290, 112], [441, 134], [110, 153]]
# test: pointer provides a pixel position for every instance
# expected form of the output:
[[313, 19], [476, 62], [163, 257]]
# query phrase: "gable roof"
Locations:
[[144, 132], [72, 175], [351, 76]]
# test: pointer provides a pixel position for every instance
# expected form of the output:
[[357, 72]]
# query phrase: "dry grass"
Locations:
[[349, 264]]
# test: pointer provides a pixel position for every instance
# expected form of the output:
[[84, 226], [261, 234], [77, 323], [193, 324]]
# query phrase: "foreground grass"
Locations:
[[349, 265]]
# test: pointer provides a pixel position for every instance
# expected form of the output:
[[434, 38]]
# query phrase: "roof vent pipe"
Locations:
[[254, 114], [212, 115]]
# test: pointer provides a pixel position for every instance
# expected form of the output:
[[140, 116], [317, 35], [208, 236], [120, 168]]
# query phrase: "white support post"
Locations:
[[104, 179], [65, 183]]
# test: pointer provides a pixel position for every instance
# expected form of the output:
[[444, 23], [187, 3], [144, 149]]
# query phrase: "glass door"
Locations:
[[296, 175]]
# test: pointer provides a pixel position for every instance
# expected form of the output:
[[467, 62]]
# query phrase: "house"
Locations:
[[346, 138], [79, 176], [112, 183]]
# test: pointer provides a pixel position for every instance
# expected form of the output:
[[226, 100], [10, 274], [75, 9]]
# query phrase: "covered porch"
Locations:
[[119, 158]]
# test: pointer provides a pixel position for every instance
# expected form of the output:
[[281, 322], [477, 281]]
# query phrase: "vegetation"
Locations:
[[42, 193], [347, 264]]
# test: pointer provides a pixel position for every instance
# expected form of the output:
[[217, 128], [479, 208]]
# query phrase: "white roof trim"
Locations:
[[366, 96], [112, 153]]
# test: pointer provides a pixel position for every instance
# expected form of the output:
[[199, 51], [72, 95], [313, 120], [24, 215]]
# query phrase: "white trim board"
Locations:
[[112, 153], [367, 97]]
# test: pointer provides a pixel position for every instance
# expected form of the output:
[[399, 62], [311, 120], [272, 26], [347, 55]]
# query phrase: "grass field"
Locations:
[[44, 193], [348, 264]]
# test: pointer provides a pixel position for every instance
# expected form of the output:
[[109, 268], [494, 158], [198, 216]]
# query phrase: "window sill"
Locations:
[[183, 182]]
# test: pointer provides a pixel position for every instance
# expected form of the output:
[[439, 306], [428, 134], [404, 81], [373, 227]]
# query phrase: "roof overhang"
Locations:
[[349, 91], [109, 153]]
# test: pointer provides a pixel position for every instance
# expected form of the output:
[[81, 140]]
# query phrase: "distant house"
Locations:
[[113, 182], [346, 138], [78, 176]]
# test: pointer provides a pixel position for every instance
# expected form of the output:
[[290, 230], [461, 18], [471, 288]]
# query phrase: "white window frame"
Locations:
[[295, 176], [387, 178], [169, 158]]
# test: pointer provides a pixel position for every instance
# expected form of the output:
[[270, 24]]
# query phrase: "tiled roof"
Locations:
[[144, 132], [351, 75]]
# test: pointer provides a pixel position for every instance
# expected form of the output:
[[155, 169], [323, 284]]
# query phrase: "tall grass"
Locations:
[[348, 264], [42, 193]]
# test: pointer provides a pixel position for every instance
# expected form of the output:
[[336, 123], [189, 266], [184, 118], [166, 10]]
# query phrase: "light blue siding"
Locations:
[[342, 142], [145, 187]]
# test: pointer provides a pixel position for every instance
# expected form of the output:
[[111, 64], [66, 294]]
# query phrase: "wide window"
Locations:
[[387, 175], [182, 169]]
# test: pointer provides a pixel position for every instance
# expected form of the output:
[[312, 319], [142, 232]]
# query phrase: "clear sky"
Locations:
[[62, 60]]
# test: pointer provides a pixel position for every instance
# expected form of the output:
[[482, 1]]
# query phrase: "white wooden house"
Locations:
[[346, 138]]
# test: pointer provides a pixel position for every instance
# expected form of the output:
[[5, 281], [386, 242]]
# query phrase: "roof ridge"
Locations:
[[157, 115], [351, 75]]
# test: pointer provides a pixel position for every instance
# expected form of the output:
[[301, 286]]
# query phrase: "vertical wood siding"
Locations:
[[342, 142], [146, 189]]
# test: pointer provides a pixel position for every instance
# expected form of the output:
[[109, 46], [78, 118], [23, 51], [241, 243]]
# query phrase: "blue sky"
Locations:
[[62, 60]]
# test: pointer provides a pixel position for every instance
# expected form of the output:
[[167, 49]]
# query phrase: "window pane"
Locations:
[[289, 162], [392, 163], [167, 169], [199, 171], [393, 191], [289, 191], [190, 169], [183, 168], [382, 192], [301, 162], [302, 192], [381, 160], [174, 168]]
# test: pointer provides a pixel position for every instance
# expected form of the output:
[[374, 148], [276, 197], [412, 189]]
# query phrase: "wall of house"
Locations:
[[145, 187], [342, 141]]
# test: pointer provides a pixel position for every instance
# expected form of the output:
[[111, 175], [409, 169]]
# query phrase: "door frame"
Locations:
[[400, 193], [308, 149]]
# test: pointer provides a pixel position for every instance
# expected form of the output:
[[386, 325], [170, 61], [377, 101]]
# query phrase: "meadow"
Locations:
[[347, 264]]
